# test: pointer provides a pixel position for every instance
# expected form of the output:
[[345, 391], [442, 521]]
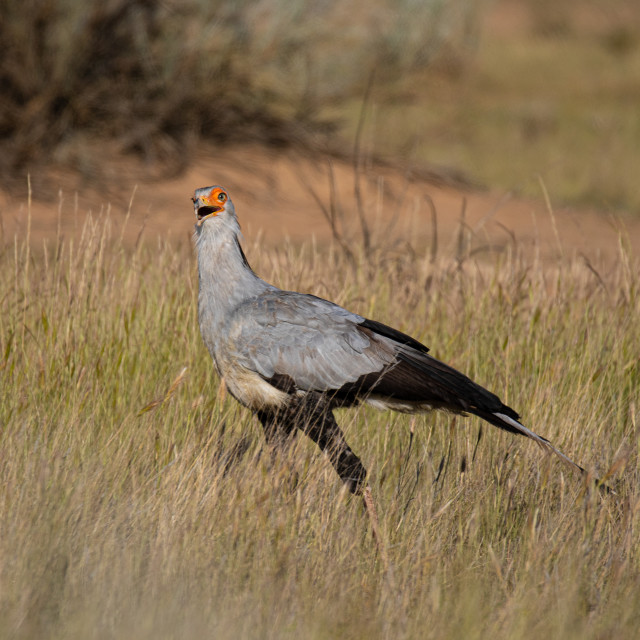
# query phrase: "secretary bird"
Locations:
[[293, 358]]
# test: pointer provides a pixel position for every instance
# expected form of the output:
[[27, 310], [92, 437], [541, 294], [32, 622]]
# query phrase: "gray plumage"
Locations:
[[292, 358]]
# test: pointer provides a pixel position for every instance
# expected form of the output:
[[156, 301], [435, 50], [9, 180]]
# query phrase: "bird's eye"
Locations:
[[222, 197]]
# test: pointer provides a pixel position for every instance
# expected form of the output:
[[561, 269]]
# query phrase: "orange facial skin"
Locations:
[[213, 203], [216, 199]]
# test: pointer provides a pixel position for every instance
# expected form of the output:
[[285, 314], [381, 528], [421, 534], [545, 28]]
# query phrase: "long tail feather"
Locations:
[[543, 442], [503, 421]]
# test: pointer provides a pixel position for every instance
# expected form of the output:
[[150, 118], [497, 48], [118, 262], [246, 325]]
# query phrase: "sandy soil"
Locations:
[[282, 195]]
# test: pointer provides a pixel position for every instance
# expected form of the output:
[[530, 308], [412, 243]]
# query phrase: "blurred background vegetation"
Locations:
[[502, 91]]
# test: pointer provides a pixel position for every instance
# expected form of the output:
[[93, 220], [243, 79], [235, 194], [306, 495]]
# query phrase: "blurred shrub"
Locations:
[[159, 76]]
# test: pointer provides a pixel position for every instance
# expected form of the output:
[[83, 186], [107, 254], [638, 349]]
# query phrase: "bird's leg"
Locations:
[[278, 430], [279, 433], [317, 421], [372, 512]]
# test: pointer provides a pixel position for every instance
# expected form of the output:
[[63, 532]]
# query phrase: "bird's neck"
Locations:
[[226, 279]]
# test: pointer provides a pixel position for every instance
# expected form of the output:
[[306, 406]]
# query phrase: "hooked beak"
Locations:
[[204, 210]]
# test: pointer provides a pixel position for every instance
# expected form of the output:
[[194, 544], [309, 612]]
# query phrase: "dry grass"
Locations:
[[135, 501]]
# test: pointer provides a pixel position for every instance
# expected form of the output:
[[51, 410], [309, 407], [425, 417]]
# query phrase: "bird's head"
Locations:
[[212, 202]]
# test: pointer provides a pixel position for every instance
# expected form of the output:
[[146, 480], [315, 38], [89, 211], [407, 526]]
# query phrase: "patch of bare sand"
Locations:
[[282, 195]]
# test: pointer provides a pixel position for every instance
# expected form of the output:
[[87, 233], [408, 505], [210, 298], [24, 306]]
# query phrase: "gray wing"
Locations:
[[300, 342], [297, 341], [315, 344]]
